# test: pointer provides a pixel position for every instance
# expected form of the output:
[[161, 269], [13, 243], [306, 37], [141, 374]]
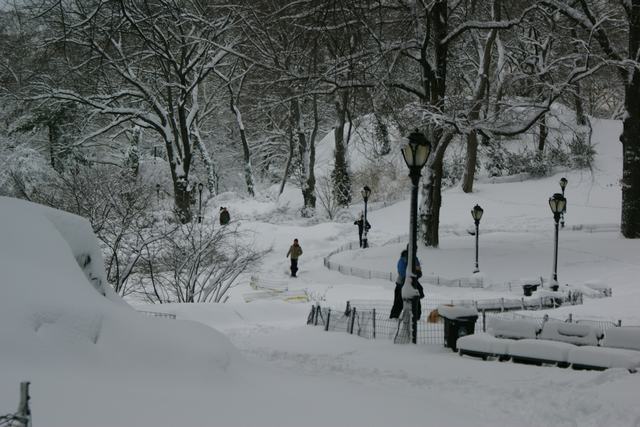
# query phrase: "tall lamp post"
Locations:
[[563, 185], [476, 213], [415, 152], [200, 187], [366, 192], [557, 203]]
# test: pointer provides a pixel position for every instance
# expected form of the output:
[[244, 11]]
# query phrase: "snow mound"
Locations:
[[56, 305]]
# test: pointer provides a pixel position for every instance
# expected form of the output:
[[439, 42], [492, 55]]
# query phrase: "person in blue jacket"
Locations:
[[397, 294]]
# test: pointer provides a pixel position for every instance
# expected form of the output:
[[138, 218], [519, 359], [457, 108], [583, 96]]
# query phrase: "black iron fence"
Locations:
[[370, 319], [373, 324]]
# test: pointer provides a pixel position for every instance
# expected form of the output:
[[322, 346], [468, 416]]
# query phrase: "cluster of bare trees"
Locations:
[[264, 79]]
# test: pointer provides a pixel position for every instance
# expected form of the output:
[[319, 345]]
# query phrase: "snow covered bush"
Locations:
[[388, 180], [582, 153], [453, 169], [326, 197], [119, 207], [197, 262], [496, 158], [23, 170]]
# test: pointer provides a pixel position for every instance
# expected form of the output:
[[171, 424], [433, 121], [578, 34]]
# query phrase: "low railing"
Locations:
[[462, 282], [157, 314]]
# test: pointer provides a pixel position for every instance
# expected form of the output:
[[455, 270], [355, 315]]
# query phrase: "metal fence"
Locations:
[[374, 324], [370, 318], [435, 280], [490, 304]]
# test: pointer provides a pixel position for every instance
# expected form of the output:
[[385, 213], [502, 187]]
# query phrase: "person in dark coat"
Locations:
[[224, 216], [397, 294], [295, 251], [362, 225]]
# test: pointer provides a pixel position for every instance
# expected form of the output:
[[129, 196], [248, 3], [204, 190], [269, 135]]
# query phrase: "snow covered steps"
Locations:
[[556, 343]]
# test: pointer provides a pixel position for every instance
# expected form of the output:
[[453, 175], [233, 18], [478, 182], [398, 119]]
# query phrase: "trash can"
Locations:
[[458, 322]]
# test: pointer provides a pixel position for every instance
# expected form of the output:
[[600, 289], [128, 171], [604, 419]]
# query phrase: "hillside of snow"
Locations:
[[93, 360]]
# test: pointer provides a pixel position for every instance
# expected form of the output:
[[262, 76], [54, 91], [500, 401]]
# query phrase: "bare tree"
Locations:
[[604, 21], [197, 264], [152, 59]]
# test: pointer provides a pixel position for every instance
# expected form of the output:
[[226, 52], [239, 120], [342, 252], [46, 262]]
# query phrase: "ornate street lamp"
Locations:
[[416, 152], [563, 185], [557, 203], [366, 192], [200, 187], [476, 213]]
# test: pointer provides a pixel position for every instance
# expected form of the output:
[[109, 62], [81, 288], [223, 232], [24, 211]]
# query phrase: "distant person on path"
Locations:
[[224, 216], [397, 295], [295, 251], [362, 225]]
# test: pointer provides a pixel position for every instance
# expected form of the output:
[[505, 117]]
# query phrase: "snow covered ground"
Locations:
[[95, 362]]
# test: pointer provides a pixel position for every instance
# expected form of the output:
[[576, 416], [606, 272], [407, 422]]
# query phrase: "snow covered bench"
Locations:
[[561, 344], [514, 329], [483, 345], [572, 333], [523, 341], [496, 343], [554, 343], [539, 352], [620, 349]]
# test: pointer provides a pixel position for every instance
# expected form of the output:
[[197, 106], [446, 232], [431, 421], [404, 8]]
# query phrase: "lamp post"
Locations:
[[366, 192], [415, 152], [563, 185], [557, 203], [476, 213], [200, 187]]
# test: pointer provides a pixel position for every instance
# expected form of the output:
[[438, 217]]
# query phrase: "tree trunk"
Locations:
[[55, 146], [471, 161], [180, 179], [630, 138], [248, 169], [430, 212], [309, 185], [542, 135], [340, 175], [435, 84], [133, 155], [581, 117], [287, 166], [212, 175], [432, 191], [182, 199]]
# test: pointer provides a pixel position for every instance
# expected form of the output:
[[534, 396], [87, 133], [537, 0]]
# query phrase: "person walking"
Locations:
[[224, 216], [295, 251], [416, 309], [397, 294], [362, 226]]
